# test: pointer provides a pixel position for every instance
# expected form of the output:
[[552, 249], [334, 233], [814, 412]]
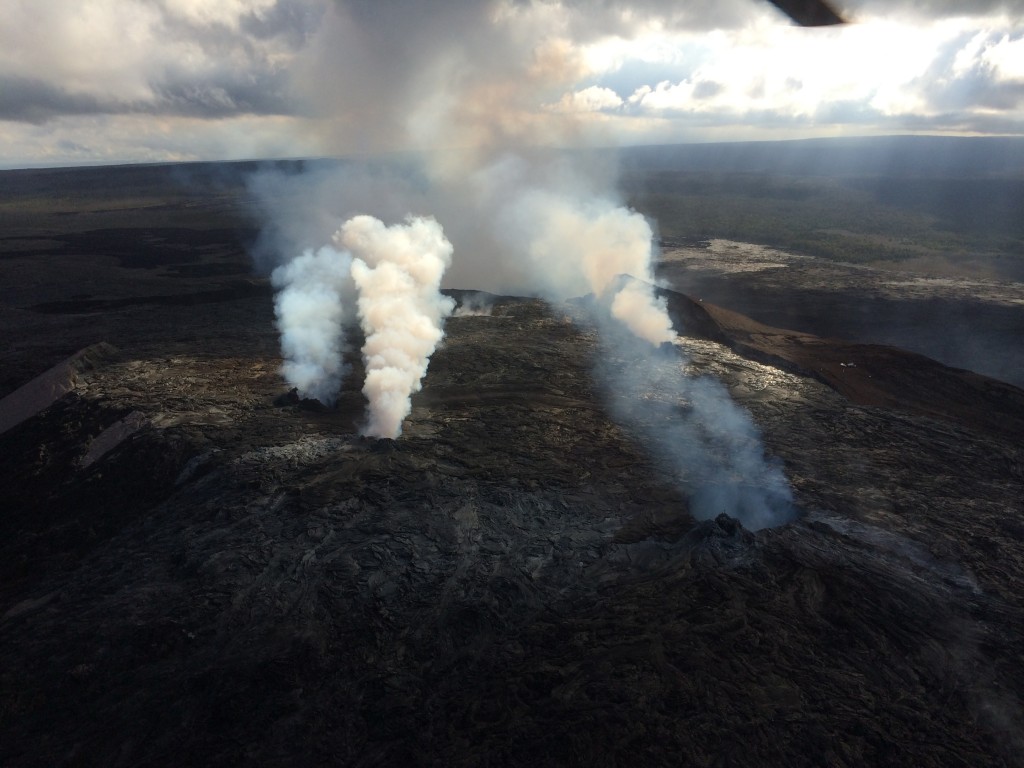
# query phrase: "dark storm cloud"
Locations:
[[976, 88], [240, 78], [293, 21], [34, 101], [260, 93], [289, 23]]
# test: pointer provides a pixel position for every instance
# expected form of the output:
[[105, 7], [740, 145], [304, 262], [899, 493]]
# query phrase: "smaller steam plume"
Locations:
[[474, 305], [636, 307], [393, 284], [310, 309], [711, 444], [398, 272], [588, 245]]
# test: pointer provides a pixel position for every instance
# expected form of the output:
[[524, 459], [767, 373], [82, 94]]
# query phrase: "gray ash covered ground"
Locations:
[[514, 581]]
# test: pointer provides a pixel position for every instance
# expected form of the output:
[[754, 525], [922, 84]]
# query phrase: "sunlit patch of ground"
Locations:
[[780, 268]]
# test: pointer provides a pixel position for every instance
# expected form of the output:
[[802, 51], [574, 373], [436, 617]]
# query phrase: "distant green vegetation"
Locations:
[[850, 220]]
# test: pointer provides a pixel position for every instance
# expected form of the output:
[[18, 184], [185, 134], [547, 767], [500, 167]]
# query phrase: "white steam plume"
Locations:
[[577, 244], [310, 310], [471, 84], [637, 308], [398, 272]]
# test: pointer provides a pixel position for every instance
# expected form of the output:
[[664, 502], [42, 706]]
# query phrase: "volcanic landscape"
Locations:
[[197, 568]]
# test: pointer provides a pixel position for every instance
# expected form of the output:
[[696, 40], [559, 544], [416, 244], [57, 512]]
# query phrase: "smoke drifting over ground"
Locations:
[[541, 222], [474, 305], [710, 443]]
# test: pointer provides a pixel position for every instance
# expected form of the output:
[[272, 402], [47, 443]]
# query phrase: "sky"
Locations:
[[116, 81]]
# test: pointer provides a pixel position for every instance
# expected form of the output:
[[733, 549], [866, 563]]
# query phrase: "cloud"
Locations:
[[35, 101], [353, 76], [876, 75], [262, 93], [163, 57], [1006, 55], [590, 19], [932, 9], [97, 139], [980, 70], [227, 13], [592, 99]]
